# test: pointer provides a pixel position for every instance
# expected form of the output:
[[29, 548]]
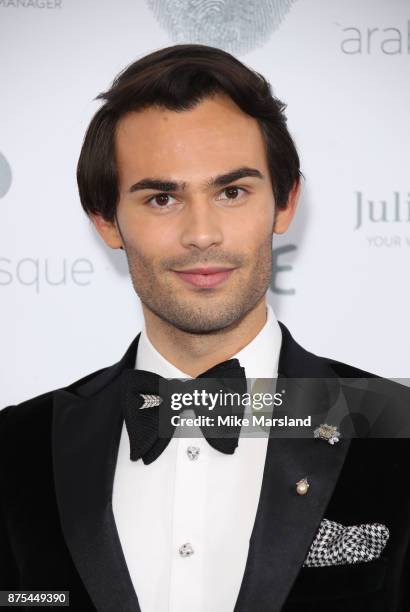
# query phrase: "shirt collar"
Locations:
[[260, 357]]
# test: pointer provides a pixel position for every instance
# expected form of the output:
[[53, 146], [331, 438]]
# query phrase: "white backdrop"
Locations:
[[342, 66]]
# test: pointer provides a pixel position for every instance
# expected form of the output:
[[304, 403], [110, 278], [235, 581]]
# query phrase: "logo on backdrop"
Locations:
[[40, 4], [5, 176], [238, 26], [393, 40], [390, 218], [280, 270], [38, 273]]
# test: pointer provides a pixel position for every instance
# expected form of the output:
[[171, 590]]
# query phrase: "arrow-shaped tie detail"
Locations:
[[150, 401]]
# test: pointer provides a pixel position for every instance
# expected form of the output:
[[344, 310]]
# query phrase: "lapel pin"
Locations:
[[328, 433], [302, 486], [150, 401]]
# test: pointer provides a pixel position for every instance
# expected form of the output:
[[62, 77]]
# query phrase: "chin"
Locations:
[[196, 322]]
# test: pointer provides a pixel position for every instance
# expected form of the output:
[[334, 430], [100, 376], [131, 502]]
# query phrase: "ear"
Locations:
[[108, 231], [284, 216]]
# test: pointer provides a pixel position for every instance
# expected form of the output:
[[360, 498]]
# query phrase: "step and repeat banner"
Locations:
[[341, 275]]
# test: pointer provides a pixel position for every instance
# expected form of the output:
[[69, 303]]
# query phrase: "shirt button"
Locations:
[[193, 452], [186, 550]]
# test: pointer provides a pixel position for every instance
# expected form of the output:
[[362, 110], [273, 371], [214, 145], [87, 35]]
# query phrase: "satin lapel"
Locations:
[[286, 522], [86, 434]]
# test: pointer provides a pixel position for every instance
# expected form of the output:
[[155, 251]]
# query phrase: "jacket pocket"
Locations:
[[338, 581]]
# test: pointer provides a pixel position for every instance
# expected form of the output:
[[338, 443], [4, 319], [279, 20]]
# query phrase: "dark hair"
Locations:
[[178, 78]]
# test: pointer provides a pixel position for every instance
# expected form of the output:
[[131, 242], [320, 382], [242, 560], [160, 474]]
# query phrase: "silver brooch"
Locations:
[[328, 433], [150, 401]]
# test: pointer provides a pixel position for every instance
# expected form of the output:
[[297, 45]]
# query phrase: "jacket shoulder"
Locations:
[[86, 385], [30, 408], [377, 383], [304, 363], [345, 370], [395, 395]]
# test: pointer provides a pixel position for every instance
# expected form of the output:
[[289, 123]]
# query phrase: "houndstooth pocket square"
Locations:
[[336, 544]]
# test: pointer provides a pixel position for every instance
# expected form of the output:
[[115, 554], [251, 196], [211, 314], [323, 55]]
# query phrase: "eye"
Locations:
[[159, 200], [233, 192]]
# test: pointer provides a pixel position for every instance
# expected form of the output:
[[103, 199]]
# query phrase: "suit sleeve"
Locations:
[[8, 568]]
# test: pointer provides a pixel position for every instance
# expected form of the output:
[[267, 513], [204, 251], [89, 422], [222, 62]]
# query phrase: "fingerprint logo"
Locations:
[[237, 26], [5, 175]]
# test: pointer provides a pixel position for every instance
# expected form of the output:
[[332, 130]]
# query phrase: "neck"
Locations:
[[195, 353]]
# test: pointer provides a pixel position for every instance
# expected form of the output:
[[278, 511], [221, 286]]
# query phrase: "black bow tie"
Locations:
[[146, 401]]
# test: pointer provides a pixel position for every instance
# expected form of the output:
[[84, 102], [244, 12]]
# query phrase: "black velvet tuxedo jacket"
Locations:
[[57, 530]]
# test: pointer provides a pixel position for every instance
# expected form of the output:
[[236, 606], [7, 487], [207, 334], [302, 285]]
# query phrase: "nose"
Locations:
[[202, 226]]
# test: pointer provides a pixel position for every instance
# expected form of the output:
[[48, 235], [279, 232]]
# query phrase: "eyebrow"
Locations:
[[162, 184]]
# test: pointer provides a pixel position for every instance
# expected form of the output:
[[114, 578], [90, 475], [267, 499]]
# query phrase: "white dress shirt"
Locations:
[[209, 502]]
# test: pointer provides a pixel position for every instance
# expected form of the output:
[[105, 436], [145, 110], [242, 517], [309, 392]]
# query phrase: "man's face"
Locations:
[[197, 223]]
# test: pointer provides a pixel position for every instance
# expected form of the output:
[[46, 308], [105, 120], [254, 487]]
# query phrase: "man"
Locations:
[[189, 167]]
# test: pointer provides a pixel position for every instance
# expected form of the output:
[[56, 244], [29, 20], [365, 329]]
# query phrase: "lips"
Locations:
[[205, 277]]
